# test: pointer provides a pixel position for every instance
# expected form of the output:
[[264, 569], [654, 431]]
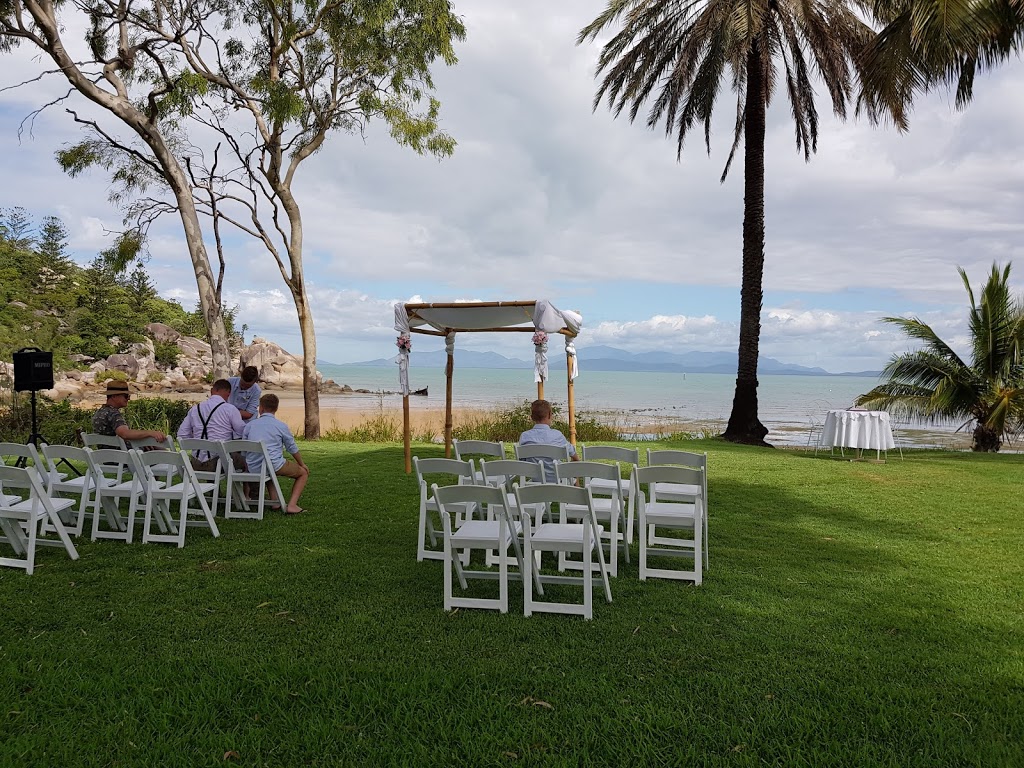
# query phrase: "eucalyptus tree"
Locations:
[[281, 76], [935, 384], [132, 77], [681, 53]]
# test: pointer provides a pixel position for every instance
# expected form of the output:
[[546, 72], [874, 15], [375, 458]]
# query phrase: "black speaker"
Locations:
[[33, 370]]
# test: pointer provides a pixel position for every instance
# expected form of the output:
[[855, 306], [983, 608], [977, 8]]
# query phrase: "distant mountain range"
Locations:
[[604, 358]]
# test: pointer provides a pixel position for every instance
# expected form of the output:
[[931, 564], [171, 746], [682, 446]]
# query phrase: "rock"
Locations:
[[66, 389], [331, 387], [81, 358], [277, 367], [124, 363], [196, 357], [18, 304], [98, 366], [145, 354], [162, 333], [74, 375]]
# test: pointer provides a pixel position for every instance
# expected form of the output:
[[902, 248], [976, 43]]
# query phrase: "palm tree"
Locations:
[[928, 43], [685, 50], [934, 384]]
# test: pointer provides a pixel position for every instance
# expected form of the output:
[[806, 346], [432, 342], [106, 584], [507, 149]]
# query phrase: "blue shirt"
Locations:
[[245, 399], [543, 434], [275, 435]]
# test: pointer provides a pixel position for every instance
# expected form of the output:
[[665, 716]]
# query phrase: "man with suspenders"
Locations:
[[212, 419]]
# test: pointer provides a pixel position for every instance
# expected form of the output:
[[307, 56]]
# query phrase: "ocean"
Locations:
[[698, 402]]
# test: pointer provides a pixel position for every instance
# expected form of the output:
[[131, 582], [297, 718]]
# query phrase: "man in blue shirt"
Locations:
[[245, 392], [277, 438], [543, 434]]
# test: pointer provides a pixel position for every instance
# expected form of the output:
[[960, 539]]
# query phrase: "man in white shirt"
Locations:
[[543, 434], [275, 435], [212, 419]]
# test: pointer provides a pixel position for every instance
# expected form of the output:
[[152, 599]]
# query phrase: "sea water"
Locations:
[[635, 401]]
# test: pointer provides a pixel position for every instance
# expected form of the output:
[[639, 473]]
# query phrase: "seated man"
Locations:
[[543, 434], [213, 419], [109, 420], [277, 437], [245, 392]]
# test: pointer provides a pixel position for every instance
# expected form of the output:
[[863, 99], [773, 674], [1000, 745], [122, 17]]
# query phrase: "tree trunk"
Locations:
[[744, 425], [118, 104], [986, 439]]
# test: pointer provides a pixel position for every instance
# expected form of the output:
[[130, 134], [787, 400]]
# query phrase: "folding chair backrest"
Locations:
[[27, 455], [466, 448], [158, 462], [248, 446], [526, 471], [461, 469], [215, 449], [475, 494], [570, 470], [18, 479], [111, 463], [92, 440], [610, 453], [678, 458], [535, 451], [152, 442], [553, 493], [52, 454], [665, 473]]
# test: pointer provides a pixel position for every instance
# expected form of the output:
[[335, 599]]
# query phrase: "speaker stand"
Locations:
[[35, 438]]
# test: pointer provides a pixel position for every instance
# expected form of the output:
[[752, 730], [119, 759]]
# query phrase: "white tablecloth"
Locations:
[[866, 430]]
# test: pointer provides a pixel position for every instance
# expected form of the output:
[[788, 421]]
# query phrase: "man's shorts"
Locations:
[[290, 469]]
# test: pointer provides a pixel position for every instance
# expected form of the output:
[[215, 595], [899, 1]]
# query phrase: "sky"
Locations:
[[545, 197]]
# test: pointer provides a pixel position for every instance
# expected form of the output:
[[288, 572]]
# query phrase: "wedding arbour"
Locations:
[[539, 317]]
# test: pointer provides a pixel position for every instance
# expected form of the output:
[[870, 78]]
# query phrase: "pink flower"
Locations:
[[404, 343], [540, 338]]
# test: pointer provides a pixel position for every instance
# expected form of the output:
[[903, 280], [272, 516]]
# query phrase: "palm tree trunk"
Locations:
[[986, 439], [744, 426]]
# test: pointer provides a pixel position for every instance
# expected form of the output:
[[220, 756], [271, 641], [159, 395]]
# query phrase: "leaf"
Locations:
[[263, 605], [232, 755]]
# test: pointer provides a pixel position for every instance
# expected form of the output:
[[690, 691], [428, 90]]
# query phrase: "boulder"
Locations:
[[124, 363], [277, 367], [162, 333], [67, 389], [145, 355]]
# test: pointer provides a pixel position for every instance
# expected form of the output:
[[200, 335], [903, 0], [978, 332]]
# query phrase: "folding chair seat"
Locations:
[[203, 450], [465, 473], [498, 532], [610, 509], [23, 514], [236, 479], [626, 457], [683, 491], [676, 514], [466, 450], [161, 497], [581, 538], [115, 476], [93, 440], [544, 455], [59, 484]]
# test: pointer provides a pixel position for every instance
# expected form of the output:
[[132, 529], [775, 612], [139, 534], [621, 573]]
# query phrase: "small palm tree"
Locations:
[[933, 384], [683, 53]]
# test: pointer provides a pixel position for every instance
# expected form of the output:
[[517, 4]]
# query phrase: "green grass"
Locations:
[[853, 615]]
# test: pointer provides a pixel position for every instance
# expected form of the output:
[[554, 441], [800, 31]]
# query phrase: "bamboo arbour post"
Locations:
[[448, 371], [406, 432], [540, 390], [572, 399]]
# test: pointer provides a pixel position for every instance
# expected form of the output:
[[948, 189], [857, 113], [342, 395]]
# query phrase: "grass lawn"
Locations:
[[853, 615]]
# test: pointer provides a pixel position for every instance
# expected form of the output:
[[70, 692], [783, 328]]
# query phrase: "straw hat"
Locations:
[[115, 387]]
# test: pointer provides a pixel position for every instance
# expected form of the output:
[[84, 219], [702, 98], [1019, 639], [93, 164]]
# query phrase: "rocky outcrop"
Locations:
[[162, 333], [277, 367]]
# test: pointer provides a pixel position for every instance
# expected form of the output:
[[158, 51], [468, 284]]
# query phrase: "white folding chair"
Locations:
[[682, 491], [161, 497], [544, 455], [627, 457], [238, 477], [466, 450], [579, 538], [115, 476], [499, 532], [60, 484], [675, 513], [93, 440], [610, 509], [23, 514], [202, 450], [27, 456], [465, 474]]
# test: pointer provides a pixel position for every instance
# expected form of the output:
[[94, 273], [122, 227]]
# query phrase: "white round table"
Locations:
[[863, 430]]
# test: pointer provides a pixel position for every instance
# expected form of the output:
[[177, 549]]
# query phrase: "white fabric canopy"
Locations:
[[483, 316]]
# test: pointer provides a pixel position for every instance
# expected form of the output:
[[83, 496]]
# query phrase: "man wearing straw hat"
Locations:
[[109, 420]]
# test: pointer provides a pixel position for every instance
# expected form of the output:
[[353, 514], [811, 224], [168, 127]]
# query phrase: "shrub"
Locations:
[[166, 353], [154, 376], [56, 422], [156, 413]]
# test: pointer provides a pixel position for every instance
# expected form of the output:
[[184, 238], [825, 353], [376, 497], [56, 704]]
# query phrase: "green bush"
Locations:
[[156, 413], [154, 376], [166, 353], [57, 422], [111, 375]]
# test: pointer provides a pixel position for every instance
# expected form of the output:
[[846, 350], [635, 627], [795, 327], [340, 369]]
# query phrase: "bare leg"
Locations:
[[297, 489]]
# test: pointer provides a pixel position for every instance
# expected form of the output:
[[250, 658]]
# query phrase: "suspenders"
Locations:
[[206, 422]]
